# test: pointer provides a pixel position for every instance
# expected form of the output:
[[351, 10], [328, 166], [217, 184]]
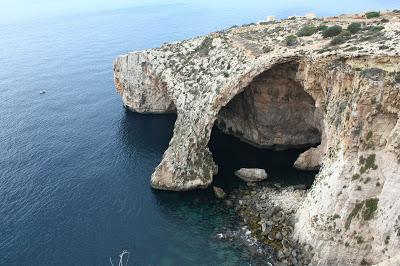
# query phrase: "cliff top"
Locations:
[[233, 52]]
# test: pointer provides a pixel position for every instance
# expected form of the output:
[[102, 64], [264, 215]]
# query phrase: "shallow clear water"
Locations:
[[75, 166]]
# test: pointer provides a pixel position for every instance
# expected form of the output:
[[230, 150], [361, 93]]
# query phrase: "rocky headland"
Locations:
[[331, 83]]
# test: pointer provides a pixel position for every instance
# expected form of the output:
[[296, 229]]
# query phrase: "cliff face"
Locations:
[[256, 84]]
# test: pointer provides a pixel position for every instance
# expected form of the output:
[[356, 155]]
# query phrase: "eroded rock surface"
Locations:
[[344, 95]]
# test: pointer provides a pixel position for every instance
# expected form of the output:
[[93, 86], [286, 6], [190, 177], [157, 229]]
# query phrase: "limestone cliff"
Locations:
[[275, 90]]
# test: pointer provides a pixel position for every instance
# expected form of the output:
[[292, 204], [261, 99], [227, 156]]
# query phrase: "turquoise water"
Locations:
[[75, 166]]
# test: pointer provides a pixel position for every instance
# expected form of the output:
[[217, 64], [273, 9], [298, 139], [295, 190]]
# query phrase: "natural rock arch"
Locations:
[[188, 163]]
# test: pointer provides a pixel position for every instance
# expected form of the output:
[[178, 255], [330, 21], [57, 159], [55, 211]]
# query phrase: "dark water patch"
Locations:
[[231, 154]]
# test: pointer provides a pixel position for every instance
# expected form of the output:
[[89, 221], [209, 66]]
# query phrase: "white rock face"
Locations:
[[251, 174], [351, 214]]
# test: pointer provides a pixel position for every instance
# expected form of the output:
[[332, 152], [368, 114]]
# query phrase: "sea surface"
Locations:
[[75, 165]]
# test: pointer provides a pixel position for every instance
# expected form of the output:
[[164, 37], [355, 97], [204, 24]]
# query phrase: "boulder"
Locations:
[[310, 160], [251, 174]]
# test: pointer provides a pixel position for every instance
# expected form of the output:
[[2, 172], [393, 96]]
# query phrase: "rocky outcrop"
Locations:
[[251, 174], [272, 90]]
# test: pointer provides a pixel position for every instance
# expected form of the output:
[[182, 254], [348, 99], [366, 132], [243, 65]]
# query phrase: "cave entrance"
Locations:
[[268, 125]]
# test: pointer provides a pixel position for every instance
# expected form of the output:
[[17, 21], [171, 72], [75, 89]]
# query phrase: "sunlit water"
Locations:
[[75, 166]]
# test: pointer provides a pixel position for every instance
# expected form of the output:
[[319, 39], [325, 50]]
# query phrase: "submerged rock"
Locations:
[[219, 192], [251, 174]]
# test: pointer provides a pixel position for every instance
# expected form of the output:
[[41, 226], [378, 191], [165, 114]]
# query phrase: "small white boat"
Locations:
[[42, 92]]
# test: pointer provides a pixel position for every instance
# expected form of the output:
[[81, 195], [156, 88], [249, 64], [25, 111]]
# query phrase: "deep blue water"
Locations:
[[75, 166]]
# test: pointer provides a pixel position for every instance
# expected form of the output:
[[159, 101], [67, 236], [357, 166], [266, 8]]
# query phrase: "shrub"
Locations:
[[353, 214], [204, 48], [341, 38], [322, 27], [338, 40], [370, 162], [332, 31], [376, 28], [291, 40], [397, 78], [384, 20], [372, 14], [266, 49], [307, 30], [371, 205], [354, 27]]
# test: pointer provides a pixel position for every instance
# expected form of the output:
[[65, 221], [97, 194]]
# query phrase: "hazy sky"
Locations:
[[14, 10]]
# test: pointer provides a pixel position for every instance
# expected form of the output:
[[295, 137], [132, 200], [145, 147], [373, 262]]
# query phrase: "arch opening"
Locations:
[[276, 118]]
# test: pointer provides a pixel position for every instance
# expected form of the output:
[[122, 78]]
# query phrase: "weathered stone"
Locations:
[[251, 174]]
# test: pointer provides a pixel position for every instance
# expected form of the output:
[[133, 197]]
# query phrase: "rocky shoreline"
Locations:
[[267, 213]]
